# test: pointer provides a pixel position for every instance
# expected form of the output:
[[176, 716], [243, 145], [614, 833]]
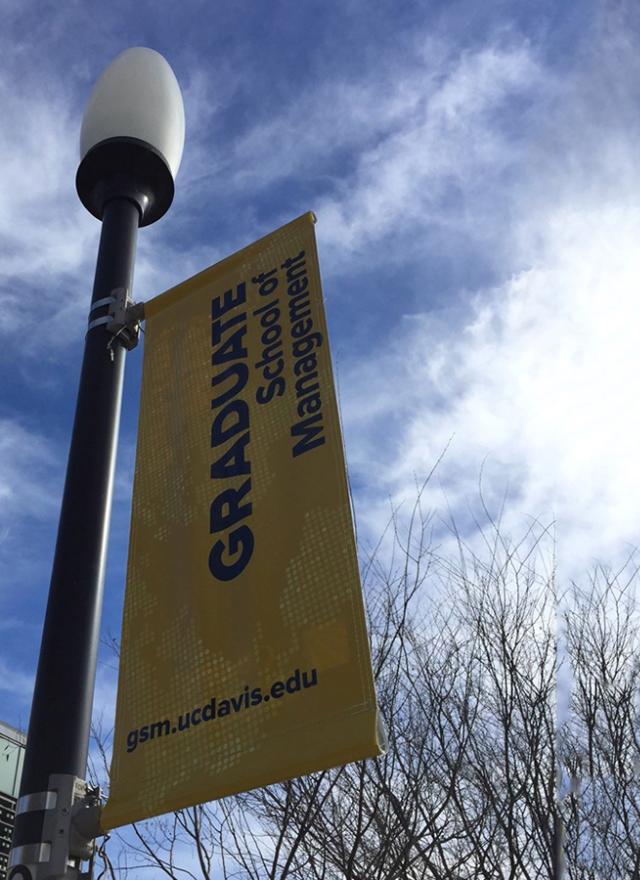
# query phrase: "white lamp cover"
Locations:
[[137, 96]]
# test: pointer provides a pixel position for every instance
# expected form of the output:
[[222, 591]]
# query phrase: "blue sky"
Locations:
[[474, 170]]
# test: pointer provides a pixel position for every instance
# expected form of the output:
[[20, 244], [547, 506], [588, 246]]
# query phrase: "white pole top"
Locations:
[[137, 96]]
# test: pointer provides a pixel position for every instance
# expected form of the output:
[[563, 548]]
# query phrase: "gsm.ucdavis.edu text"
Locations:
[[249, 698]]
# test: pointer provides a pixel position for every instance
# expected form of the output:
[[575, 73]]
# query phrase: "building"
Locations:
[[12, 746]]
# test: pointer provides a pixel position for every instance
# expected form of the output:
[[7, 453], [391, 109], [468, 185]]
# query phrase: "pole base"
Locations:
[[71, 824]]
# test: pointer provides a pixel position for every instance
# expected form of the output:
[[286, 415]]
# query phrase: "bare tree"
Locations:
[[465, 653], [602, 732]]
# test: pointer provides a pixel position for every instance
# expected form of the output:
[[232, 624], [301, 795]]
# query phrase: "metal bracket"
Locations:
[[71, 823], [123, 317]]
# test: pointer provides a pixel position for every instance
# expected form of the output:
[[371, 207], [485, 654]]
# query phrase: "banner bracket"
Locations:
[[122, 318], [125, 319]]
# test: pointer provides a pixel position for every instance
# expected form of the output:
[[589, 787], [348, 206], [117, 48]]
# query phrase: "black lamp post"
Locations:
[[131, 146]]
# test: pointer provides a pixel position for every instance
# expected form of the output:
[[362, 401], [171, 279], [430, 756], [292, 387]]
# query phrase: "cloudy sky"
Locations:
[[474, 168]]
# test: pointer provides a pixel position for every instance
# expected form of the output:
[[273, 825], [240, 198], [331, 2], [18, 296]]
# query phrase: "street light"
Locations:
[[130, 146]]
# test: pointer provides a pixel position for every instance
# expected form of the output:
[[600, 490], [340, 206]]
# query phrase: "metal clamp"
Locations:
[[123, 317], [40, 800], [105, 301]]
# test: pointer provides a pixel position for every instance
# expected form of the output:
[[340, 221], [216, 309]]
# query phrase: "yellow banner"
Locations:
[[244, 656]]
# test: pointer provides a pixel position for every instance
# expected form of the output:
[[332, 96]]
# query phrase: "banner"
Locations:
[[244, 654]]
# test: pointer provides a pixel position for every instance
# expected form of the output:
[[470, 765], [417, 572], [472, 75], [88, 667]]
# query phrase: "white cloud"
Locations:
[[535, 381], [15, 683], [430, 167], [27, 466], [45, 239]]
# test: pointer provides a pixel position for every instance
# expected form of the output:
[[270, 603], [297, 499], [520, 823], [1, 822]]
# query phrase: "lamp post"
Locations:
[[130, 145]]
